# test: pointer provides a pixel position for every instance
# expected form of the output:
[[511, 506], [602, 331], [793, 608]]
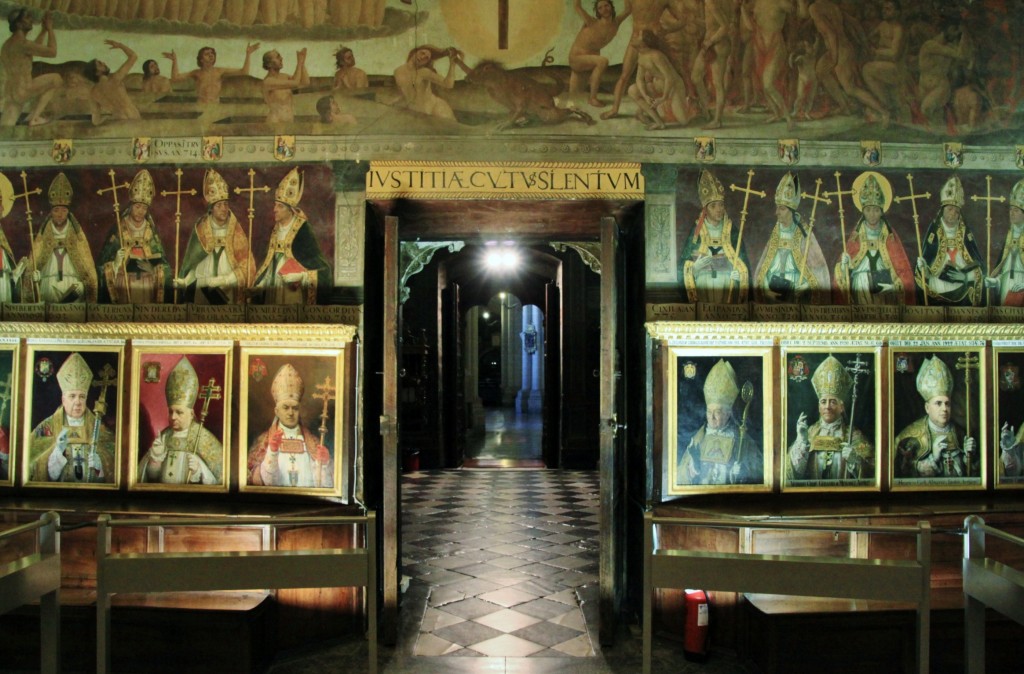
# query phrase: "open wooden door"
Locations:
[[551, 422], [451, 395], [392, 495], [611, 459]]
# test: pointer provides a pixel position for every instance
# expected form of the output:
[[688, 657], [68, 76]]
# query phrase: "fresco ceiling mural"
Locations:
[[918, 71]]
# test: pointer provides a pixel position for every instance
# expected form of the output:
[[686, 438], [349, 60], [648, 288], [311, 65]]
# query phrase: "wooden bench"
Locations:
[[757, 625], [260, 624], [233, 631], [165, 571], [866, 637], [34, 576], [871, 578]]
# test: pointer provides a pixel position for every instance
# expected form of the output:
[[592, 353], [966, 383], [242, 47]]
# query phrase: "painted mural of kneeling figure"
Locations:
[[719, 452]]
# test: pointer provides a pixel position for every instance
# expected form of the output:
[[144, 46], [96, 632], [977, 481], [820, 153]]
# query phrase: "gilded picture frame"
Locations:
[[832, 416], [181, 396], [925, 372], [1008, 414], [719, 417], [74, 402], [10, 385], [298, 386]]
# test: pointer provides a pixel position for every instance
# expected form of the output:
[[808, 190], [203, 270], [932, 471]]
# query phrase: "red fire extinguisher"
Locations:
[[695, 634]]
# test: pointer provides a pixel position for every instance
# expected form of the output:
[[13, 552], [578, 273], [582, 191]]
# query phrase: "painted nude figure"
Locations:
[[659, 91], [109, 95], [16, 54], [838, 65], [152, 81], [769, 18], [885, 74], [935, 63], [208, 77], [716, 48], [347, 77], [683, 42], [585, 53], [416, 79], [277, 88], [646, 16]]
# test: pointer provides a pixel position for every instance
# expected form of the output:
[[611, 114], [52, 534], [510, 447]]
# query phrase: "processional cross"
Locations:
[[747, 191], [326, 392], [912, 197], [251, 211], [31, 236], [177, 222], [988, 199], [106, 378], [206, 393], [838, 194], [967, 362]]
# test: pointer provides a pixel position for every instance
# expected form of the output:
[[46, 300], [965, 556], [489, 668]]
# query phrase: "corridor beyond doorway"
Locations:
[[511, 440]]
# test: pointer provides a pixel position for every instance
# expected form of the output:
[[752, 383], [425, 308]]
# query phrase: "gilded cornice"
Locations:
[[665, 150], [248, 332], [719, 333]]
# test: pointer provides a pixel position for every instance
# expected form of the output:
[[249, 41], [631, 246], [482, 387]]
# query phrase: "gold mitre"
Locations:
[[215, 188], [75, 374], [952, 193], [182, 384], [709, 188], [1017, 195], [289, 192], [142, 190], [934, 379], [871, 194], [60, 191], [720, 386], [287, 384], [788, 191], [832, 379]]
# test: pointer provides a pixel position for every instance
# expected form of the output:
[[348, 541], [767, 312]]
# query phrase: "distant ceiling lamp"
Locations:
[[501, 259]]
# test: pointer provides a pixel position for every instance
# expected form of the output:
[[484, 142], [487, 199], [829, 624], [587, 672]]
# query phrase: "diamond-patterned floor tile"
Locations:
[[507, 646], [471, 608], [434, 619], [430, 645], [579, 647], [546, 633], [507, 620], [467, 632], [571, 619], [502, 552], [542, 608], [508, 597]]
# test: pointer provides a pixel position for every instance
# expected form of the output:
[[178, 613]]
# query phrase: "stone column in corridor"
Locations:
[[531, 395]]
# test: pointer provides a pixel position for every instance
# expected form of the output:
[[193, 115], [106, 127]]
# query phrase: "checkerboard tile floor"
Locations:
[[505, 554]]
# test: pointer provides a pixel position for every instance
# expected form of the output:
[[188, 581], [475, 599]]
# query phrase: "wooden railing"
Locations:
[[987, 583], [813, 576], [245, 570], [36, 577]]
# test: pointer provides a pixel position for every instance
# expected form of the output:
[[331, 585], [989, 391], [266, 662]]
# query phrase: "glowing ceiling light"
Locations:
[[502, 259]]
